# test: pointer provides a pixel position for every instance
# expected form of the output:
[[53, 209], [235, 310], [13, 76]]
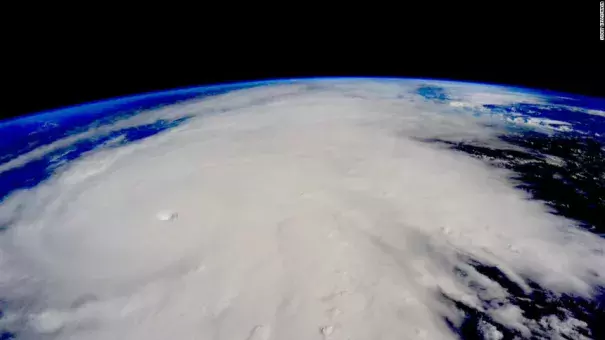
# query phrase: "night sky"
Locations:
[[554, 47]]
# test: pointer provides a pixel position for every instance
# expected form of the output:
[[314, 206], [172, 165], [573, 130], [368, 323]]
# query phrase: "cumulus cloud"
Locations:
[[291, 211]]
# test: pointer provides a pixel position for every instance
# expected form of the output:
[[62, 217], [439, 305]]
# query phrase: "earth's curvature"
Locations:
[[307, 209]]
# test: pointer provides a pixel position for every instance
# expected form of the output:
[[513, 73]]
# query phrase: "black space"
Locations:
[[548, 46], [48, 85]]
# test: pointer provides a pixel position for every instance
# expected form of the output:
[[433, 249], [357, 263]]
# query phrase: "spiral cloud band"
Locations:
[[296, 210]]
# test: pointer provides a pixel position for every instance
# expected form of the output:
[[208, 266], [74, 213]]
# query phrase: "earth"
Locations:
[[344, 208]]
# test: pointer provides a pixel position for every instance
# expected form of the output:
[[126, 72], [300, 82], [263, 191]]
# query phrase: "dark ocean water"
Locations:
[[575, 189], [573, 186]]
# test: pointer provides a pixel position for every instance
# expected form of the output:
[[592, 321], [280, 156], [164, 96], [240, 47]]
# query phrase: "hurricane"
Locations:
[[345, 208]]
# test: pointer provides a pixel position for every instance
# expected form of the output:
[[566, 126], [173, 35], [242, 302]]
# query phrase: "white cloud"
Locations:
[[300, 209]]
